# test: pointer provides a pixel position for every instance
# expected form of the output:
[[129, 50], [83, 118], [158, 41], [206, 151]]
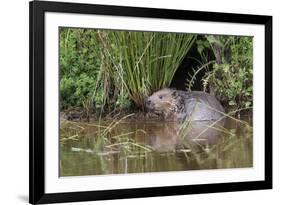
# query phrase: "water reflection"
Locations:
[[150, 146]]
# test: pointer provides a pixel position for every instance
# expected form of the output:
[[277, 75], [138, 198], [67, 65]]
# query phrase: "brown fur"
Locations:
[[165, 102], [180, 105]]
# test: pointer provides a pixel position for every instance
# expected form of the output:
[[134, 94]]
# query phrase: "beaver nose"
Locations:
[[148, 103]]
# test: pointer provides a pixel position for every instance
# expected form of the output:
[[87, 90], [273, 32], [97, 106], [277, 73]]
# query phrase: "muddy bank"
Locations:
[[80, 115]]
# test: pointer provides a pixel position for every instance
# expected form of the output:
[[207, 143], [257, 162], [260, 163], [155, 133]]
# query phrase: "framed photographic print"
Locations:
[[140, 102]]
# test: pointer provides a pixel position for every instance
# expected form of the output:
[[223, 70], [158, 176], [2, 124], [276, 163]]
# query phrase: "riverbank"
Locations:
[[81, 115]]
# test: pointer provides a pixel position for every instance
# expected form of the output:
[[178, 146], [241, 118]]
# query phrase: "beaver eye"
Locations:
[[160, 96]]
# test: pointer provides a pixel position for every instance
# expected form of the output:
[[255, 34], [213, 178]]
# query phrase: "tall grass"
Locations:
[[142, 62]]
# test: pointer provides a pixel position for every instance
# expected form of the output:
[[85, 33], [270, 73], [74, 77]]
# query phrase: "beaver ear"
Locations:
[[174, 93]]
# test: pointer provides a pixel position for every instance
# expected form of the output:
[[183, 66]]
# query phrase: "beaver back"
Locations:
[[200, 106]]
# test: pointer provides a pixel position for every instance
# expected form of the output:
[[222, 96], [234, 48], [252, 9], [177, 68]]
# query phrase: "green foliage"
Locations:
[[78, 68], [230, 76], [77, 52], [102, 70], [190, 81], [83, 79], [205, 62], [107, 70]]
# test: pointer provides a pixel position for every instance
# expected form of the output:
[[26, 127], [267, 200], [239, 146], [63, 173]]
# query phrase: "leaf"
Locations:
[[206, 44], [200, 49], [213, 40], [231, 103], [247, 104]]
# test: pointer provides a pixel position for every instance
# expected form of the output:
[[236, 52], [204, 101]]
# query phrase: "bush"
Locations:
[[229, 71]]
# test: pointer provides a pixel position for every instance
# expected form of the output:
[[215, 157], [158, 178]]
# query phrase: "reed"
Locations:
[[142, 62], [104, 139]]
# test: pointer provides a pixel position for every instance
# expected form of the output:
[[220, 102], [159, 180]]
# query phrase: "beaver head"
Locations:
[[165, 102]]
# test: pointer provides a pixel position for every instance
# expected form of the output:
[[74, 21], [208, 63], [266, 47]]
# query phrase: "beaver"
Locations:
[[203, 113], [178, 105]]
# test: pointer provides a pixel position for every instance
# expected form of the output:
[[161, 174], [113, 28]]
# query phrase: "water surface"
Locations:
[[137, 146]]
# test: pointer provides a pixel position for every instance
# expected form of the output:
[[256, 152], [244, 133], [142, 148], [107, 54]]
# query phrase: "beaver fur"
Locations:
[[179, 105]]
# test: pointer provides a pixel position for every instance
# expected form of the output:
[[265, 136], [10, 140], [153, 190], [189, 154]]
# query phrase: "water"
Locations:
[[136, 146]]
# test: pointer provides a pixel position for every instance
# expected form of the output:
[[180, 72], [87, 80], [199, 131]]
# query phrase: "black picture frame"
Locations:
[[37, 10]]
